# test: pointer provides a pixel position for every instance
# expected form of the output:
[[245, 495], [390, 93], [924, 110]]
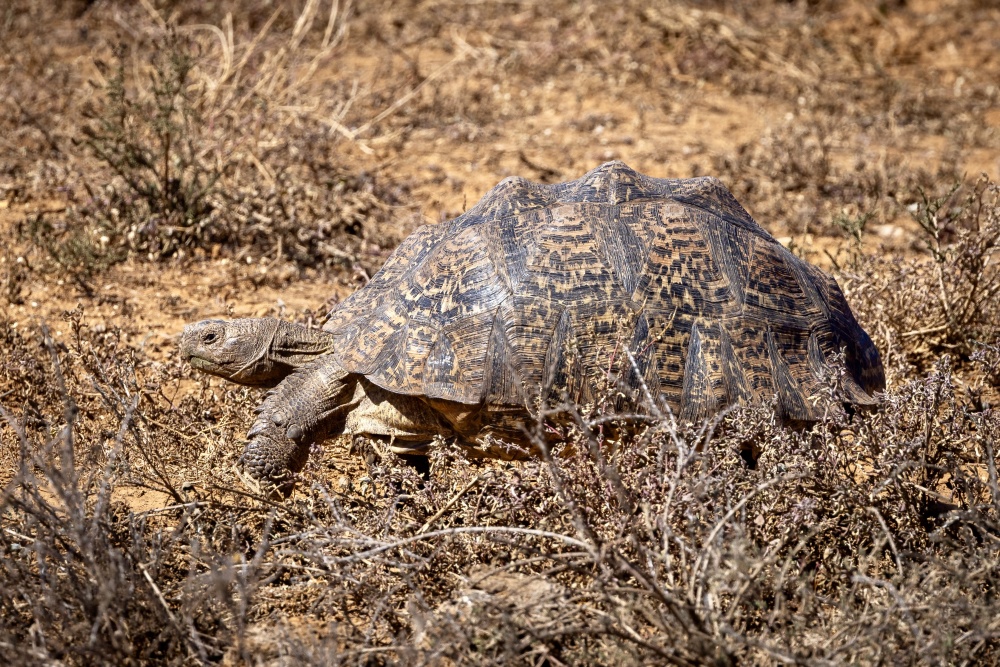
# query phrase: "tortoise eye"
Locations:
[[210, 336]]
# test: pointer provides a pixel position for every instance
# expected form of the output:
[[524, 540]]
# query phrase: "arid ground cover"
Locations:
[[166, 161]]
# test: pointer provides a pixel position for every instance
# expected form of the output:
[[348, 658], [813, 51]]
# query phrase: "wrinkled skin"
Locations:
[[261, 352], [311, 397], [273, 458], [257, 352]]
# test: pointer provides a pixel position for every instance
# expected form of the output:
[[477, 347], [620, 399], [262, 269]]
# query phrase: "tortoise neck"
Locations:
[[293, 345]]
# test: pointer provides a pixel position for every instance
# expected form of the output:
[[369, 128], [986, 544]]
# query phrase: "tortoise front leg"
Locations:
[[305, 408]]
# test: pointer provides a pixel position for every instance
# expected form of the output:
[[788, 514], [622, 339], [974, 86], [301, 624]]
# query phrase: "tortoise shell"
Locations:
[[667, 287]]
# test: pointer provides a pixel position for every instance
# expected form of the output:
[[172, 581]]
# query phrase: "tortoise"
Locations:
[[538, 295]]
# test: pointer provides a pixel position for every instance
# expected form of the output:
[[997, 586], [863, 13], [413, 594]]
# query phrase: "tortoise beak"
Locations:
[[199, 363]]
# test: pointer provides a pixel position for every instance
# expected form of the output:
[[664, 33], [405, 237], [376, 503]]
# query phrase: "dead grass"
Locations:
[[281, 142]]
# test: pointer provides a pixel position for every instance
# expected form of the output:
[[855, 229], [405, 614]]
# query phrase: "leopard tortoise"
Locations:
[[665, 288]]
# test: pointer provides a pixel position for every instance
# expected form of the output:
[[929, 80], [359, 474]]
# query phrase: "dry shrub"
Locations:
[[207, 145], [87, 580], [795, 178], [668, 550], [945, 300], [79, 571], [869, 537]]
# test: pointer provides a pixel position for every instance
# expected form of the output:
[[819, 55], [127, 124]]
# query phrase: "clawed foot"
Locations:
[[273, 459]]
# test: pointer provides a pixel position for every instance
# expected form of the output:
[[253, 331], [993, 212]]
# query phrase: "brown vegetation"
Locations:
[[165, 161]]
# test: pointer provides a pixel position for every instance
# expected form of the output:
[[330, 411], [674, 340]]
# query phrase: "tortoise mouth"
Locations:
[[202, 364]]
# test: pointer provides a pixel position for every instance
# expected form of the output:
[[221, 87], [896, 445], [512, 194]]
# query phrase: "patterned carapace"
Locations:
[[538, 289]]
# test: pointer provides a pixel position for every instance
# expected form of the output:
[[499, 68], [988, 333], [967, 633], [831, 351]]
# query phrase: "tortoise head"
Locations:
[[237, 350]]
